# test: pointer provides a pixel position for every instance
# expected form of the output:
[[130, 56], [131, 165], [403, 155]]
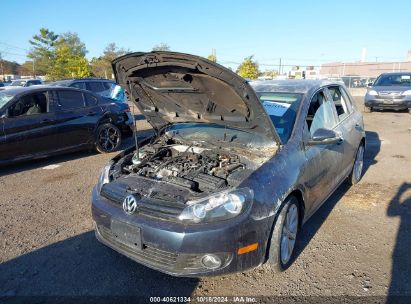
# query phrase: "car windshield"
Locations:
[[402, 80], [282, 108], [4, 98], [18, 83], [212, 133]]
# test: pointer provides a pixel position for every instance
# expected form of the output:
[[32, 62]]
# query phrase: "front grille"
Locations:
[[150, 255], [389, 95], [158, 205]]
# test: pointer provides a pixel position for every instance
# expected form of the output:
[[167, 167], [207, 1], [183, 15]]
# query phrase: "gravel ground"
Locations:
[[357, 244]]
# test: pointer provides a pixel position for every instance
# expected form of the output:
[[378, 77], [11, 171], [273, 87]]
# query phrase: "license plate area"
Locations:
[[126, 234], [387, 101]]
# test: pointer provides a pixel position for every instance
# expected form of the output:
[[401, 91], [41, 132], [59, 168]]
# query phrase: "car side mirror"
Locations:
[[369, 85], [324, 137]]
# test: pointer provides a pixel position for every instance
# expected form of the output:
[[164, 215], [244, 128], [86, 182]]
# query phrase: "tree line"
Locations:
[[60, 56]]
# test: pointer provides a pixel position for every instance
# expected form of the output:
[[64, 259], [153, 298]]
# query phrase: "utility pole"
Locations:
[[34, 70], [2, 67], [279, 68]]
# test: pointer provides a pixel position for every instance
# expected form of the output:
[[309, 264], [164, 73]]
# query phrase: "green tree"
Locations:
[[68, 64], [248, 68], [101, 66], [26, 69], [212, 57], [8, 67], [43, 50], [72, 40], [161, 47]]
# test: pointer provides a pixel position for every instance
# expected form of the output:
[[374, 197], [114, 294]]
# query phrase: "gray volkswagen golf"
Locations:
[[233, 171]]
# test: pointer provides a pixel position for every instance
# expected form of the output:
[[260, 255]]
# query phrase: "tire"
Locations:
[[358, 166], [278, 257], [367, 109], [108, 138]]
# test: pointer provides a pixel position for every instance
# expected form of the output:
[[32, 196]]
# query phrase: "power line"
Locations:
[[14, 54], [13, 46]]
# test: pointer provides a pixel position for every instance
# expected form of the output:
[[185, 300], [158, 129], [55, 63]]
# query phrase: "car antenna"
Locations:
[[136, 157]]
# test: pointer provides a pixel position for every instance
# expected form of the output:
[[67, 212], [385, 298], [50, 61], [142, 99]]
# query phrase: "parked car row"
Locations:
[[103, 87], [39, 121]]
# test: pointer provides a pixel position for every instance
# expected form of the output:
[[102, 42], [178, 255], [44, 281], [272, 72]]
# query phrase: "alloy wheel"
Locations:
[[289, 234], [359, 163], [109, 138]]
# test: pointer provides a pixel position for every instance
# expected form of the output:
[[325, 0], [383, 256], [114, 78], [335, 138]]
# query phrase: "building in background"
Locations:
[[358, 74]]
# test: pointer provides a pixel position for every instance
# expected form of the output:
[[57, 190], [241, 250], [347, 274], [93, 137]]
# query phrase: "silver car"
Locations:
[[389, 91]]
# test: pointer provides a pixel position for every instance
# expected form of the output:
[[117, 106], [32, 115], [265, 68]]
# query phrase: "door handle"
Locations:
[[45, 120], [91, 113]]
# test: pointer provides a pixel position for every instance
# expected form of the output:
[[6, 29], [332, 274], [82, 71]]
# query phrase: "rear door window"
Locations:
[[68, 100], [95, 87], [341, 102], [108, 85]]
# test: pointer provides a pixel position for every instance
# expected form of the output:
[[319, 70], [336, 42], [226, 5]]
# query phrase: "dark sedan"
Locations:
[[235, 168], [41, 120]]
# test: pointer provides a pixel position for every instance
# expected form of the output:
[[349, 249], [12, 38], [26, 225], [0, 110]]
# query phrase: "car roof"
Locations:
[[83, 79], [25, 79], [396, 73], [20, 90], [290, 85]]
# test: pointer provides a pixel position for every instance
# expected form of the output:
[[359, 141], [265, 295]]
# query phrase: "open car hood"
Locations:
[[170, 87]]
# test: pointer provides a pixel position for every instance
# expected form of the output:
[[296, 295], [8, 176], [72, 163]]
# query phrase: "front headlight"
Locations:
[[104, 176], [407, 93], [373, 93], [221, 206]]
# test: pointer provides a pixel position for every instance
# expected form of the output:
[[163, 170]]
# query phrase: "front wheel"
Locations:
[[108, 138], [358, 166], [283, 238], [367, 109]]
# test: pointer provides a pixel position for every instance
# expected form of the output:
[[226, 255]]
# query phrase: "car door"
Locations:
[[349, 125], [71, 116], [27, 132], [322, 161]]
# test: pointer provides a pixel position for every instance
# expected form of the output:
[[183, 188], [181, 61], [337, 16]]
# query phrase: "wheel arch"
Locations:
[[298, 194]]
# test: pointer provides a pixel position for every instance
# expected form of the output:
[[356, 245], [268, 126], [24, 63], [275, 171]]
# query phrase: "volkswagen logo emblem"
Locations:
[[130, 204]]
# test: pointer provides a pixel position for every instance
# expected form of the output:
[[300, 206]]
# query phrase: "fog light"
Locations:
[[211, 261]]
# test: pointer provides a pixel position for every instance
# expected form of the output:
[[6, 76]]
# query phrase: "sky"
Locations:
[[299, 32]]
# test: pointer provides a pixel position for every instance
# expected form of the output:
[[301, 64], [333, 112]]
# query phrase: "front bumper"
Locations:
[[177, 249], [397, 104]]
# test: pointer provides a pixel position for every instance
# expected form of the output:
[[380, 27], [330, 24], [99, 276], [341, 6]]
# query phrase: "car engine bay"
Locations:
[[191, 166]]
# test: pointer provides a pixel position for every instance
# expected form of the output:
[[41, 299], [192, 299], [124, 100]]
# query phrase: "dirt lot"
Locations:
[[358, 243]]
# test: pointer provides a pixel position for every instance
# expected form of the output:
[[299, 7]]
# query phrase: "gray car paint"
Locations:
[[311, 173]]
